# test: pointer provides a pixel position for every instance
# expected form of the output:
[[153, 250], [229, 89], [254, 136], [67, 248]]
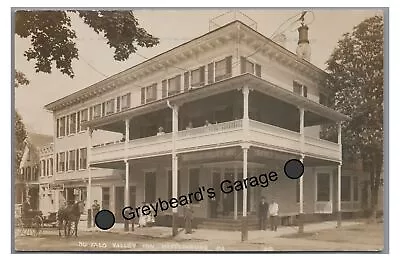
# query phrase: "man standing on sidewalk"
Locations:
[[263, 214], [95, 210], [188, 216], [274, 214]]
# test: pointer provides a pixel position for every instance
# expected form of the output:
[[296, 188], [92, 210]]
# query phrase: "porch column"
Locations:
[[89, 188], [301, 181], [245, 149], [126, 194], [245, 91], [339, 179], [235, 198], [175, 111]]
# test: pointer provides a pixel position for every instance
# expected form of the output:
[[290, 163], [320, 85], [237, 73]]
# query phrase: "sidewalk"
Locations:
[[257, 237]]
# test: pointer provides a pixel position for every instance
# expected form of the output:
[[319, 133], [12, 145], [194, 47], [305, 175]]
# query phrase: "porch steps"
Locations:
[[228, 224]]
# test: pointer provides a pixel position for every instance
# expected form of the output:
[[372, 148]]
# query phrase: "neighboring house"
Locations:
[[27, 182], [265, 105]]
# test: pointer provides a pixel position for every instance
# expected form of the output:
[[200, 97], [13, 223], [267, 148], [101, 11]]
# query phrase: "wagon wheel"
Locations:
[[19, 227], [37, 226]]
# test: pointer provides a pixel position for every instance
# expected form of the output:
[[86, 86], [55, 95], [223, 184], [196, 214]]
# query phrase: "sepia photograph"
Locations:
[[199, 129]]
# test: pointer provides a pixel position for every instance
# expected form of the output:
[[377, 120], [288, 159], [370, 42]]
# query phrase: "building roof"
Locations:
[[125, 76], [39, 140]]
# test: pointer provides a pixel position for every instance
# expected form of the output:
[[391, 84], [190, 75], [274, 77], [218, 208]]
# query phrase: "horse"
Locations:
[[68, 215]]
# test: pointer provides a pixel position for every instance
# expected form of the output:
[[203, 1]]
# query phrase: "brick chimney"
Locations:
[[303, 50]]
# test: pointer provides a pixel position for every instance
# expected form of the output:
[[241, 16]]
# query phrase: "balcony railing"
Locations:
[[214, 136]]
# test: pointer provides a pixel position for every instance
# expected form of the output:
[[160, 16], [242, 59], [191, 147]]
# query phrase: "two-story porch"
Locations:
[[232, 129]]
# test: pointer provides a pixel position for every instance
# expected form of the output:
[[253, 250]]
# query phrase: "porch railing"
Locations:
[[212, 128]]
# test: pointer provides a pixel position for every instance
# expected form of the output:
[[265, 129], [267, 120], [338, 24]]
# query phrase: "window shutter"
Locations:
[[58, 128], [228, 66], [128, 97], [78, 121], [57, 162], [202, 75], [77, 159], [143, 95], [155, 91], [186, 81], [103, 109], [305, 91], [242, 65], [178, 84], [91, 113], [258, 70], [118, 103], [164, 88], [66, 160], [67, 124], [210, 73]]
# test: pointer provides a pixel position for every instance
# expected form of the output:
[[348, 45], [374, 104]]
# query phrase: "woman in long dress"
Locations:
[[142, 219]]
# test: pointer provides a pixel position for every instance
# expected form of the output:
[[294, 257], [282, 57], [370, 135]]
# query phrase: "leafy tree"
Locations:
[[52, 37], [356, 70], [20, 136]]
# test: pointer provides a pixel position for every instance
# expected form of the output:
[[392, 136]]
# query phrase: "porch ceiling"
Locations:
[[315, 111]]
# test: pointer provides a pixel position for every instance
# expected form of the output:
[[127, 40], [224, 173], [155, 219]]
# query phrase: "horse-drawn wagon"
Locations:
[[28, 222]]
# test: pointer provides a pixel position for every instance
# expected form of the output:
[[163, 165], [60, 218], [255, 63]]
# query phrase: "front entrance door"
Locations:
[[228, 199], [119, 201]]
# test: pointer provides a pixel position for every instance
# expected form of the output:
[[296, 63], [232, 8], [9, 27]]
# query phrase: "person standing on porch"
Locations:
[[188, 217], [274, 214], [213, 207], [263, 214]]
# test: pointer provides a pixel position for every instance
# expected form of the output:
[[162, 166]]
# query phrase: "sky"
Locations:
[[173, 27]]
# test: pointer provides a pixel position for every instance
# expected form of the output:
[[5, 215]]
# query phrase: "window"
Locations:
[[62, 127], [66, 161], [103, 109], [198, 77], [296, 87], [110, 106], [78, 121], [71, 160], [97, 111], [84, 117], [58, 128], [67, 125], [57, 163], [355, 188], [28, 174], [126, 101], [323, 187], [223, 69], [118, 104], [210, 70], [150, 182], [83, 158], [194, 181], [47, 167], [61, 158], [72, 123], [51, 166], [149, 93], [297, 190], [346, 188], [323, 99], [42, 168], [186, 83], [300, 89], [247, 66], [174, 85]]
